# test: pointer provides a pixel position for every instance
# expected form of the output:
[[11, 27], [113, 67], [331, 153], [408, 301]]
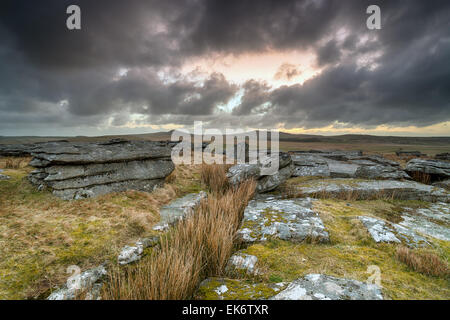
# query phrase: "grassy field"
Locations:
[[351, 251], [41, 235], [421, 273]]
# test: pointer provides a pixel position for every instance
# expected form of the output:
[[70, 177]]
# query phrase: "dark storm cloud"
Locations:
[[328, 53], [255, 94], [50, 75]]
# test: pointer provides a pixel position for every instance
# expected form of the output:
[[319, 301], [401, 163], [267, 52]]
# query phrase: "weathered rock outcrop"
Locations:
[[403, 190], [292, 220], [324, 287], [265, 182], [433, 221], [346, 164], [383, 231], [310, 165], [377, 171], [81, 170], [438, 170]]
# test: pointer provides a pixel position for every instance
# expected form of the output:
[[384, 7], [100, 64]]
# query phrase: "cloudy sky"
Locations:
[[307, 66]]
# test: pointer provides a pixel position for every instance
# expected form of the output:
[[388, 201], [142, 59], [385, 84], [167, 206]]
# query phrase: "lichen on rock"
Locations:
[[291, 219]]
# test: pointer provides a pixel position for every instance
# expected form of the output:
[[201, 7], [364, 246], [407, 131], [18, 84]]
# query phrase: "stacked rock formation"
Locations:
[[82, 170]]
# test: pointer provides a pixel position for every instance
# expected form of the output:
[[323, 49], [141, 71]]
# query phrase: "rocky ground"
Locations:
[[333, 231], [327, 225]]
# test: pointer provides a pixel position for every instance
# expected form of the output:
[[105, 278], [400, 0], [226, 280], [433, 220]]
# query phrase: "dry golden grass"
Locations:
[[14, 162], [424, 262], [421, 177], [214, 177], [197, 247], [353, 195], [41, 235]]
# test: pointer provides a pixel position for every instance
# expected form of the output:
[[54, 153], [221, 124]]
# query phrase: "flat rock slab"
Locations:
[[310, 165], [339, 169], [433, 221], [101, 152], [233, 289], [292, 220], [377, 171], [324, 287], [383, 231], [178, 209], [379, 230], [368, 189]]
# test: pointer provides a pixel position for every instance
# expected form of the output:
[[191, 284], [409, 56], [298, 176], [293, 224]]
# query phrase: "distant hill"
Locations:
[[286, 137], [362, 138]]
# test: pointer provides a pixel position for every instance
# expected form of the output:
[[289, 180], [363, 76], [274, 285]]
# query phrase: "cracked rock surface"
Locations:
[[292, 220]]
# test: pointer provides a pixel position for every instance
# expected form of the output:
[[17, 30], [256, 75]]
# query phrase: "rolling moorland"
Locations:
[[289, 142]]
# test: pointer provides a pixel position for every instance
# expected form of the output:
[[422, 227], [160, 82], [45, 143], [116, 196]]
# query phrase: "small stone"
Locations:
[[86, 280], [241, 261], [4, 177], [221, 290]]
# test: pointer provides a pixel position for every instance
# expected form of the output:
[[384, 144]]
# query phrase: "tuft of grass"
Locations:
[[215, 177], [198, 247], [422, 261], [14, 162], [421, 177]]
